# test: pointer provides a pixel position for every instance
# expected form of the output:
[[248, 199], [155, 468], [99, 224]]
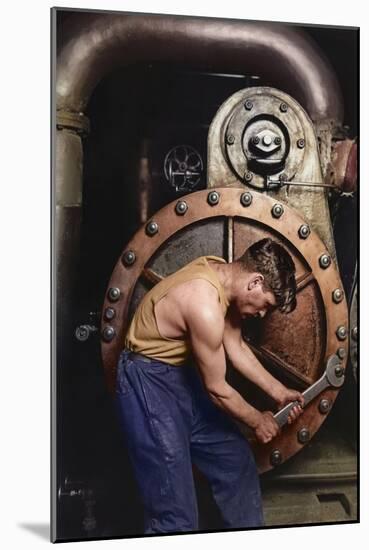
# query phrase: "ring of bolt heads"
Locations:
[[234, 202]]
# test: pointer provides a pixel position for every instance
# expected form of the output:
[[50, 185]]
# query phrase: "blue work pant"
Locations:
[[170, 422]]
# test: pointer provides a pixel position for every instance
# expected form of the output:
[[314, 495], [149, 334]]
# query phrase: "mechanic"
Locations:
[[174, 403]]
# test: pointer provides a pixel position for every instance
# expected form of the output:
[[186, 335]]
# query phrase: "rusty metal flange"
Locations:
[[246, 224]]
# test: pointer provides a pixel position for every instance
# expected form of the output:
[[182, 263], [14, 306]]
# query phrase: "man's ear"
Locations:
[[256, 280]]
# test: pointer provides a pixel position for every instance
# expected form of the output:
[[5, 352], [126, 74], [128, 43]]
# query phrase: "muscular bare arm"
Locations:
[[244, 360], [205, 324]]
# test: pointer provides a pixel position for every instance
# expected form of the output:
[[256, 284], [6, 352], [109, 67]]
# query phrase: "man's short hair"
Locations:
[[276, 265]]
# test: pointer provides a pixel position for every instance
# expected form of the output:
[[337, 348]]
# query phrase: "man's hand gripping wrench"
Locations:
[[332, 377]]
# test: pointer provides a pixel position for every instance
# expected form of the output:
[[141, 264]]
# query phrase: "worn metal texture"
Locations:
[[68, 168], [68, 215], [227, 162], [217, 229], [279, 336], [95, 44], [342, 171], [67, 241], [73, 121], [299, 493], [68, 208]]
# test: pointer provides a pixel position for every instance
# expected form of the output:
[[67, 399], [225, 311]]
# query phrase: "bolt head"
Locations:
[[341, 352], [108, 333], [277, 210], [213, 198], [114, 294], [324, 261], [354, 333], [304, 231], [181, 208], [267, 140], [248, 176], [275, 457], [303, 435], [324, 406], [255, 140], [283, 177], [337, 295], [109, 313], [277, 140], [230, 139], [129, 258], [283, 108], [246, 199], [300, 143], [338, 371], [152, 228], [341, 332], [248, 105]]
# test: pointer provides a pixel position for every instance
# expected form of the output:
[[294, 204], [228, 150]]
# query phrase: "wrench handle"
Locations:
[[309, 394]]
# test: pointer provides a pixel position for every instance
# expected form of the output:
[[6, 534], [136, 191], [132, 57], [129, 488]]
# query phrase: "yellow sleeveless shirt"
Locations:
[[143, 335]]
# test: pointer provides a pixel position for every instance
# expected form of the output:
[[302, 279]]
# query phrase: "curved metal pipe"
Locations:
[[97, 43]]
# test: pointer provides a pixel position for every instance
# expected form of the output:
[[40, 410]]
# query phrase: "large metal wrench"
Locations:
[[333, 377]]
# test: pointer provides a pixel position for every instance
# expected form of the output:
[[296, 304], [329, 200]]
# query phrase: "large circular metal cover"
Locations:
[[293, 347]]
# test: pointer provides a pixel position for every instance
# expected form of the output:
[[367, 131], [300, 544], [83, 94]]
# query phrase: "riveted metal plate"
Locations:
[[265, 116]]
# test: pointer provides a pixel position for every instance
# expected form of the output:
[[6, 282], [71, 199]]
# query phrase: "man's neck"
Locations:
[[225, 274]]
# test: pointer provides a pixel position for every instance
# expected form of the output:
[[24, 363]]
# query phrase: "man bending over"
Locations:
[[174, 415]]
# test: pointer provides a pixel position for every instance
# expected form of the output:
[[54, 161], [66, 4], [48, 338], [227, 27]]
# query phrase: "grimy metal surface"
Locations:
[[343, 166], [244, 116], [94, 44], [315, 270]]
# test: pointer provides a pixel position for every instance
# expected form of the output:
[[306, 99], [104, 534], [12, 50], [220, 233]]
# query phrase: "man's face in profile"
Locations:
[[253, 300]]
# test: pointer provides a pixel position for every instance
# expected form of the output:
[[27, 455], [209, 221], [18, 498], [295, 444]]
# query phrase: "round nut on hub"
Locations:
[[303, 435], [109, 313], [181, 208], [213, 198], [108, 334], [113, 294], [324, 261], [129, 258], [341, 332], [248, 176], [246, 199], [152, 228], [277, 210], [324, 406], [304, 231], [337, 295], [338, 371], [276, 457]]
